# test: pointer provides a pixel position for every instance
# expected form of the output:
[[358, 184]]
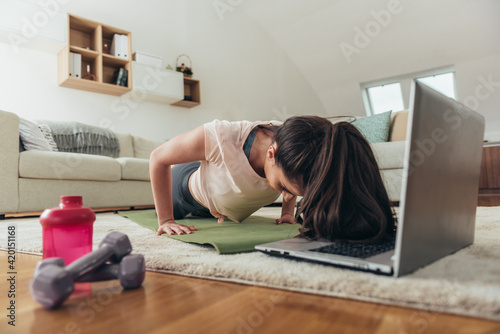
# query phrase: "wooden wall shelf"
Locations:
[[87, 37], [192, 89]]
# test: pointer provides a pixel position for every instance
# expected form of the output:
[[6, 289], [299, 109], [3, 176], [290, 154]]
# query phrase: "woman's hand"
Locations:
[[286, 218], [171, 227]]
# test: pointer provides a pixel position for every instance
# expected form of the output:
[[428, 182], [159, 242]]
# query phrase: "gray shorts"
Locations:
[[183, 201]]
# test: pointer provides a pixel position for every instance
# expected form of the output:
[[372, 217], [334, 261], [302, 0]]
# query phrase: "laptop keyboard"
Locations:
[[363, 251]]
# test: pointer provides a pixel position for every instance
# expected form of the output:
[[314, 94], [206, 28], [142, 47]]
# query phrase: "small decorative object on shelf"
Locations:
[[105, 48], [181, 66], [88, 75]]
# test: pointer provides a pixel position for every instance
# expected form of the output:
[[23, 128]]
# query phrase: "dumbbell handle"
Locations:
[[90, 261], [131, 272], [105, 272]]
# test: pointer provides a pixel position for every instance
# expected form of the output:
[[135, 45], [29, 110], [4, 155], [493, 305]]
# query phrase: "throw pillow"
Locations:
[[126, 145], [47, 134], [375, 128], [143, 147], [32, 137], [21, 146]]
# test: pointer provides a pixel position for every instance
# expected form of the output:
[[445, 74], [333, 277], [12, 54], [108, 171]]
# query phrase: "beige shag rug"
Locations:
[[465, 283]]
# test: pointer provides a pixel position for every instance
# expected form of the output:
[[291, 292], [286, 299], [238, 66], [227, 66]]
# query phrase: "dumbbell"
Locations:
[[53, 284], [130, 271]]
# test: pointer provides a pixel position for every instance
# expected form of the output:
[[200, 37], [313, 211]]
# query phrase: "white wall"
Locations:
[[418, 35], [478, 86], [265, 59], [244, 73]]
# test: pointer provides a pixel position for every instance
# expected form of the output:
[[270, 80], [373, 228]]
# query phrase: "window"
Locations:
[[385, 97], [443, 83], [394, 93]]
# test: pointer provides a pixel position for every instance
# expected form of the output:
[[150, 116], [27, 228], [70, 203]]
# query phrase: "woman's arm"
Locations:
[[186, 147]]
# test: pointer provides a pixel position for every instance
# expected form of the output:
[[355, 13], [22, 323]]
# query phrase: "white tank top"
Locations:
[[226, 183]]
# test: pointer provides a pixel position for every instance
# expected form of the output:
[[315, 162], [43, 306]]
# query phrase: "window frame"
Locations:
[[405, 82]]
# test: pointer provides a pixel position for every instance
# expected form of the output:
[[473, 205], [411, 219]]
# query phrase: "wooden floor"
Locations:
[[176, 304]]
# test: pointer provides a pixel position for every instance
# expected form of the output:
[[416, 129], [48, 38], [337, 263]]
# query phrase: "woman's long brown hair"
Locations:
[[344, 195]]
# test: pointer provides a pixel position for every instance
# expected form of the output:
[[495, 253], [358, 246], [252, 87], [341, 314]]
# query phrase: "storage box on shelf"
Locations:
[[156, 84], [93, 41], [145, 59]]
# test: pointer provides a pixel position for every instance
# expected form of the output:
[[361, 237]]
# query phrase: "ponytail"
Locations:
[[344, 195]]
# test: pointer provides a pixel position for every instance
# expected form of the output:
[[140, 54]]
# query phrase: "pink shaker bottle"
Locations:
[[67, 229]]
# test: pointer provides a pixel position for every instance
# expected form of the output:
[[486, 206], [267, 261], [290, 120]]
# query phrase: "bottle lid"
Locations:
[[70, 201], [70, 212]]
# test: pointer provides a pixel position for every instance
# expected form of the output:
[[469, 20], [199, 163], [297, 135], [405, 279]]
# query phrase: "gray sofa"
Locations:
[[390, 155], [34, 180]]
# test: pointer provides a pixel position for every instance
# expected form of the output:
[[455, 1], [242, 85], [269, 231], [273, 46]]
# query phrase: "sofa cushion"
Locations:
[[389, 155], [399, 124], [143, 147], [375, 128], [68, 166], [126, 145], [134, 168], [32, 136], [47, 134]]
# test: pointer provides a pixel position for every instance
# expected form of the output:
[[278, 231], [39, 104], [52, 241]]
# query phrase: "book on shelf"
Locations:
[[75, 65], [120, 77], [124, 81], [119, 46]]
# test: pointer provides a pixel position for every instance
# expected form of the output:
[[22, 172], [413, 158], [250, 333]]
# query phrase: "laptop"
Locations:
[[438, 194]]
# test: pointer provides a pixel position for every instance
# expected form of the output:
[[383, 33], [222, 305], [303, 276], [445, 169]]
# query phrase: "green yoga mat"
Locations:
[[228, 237]]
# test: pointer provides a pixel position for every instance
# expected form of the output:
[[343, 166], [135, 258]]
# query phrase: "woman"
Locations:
[[246, 165]]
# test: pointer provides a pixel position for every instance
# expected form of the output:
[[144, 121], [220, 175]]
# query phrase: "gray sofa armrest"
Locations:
[[9, 162]]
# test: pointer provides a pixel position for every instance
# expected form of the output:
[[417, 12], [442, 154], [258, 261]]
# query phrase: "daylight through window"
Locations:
[[394, 93]]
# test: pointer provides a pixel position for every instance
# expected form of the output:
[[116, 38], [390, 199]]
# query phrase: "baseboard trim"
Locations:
[[488, 200], [96, 210]]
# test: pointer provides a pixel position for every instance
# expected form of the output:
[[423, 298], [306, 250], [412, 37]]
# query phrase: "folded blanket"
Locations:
[[228, 237], [82, 138]]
